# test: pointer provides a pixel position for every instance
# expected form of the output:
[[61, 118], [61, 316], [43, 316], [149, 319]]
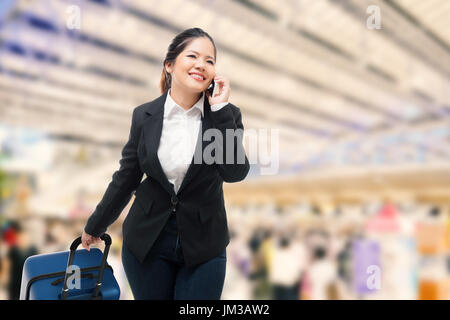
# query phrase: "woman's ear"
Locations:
[[168, 67]]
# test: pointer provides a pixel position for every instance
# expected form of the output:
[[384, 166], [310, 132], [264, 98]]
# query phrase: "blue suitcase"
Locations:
[[48, 276]]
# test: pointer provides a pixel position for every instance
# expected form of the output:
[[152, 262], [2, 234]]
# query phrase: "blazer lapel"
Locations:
[[152, 129]]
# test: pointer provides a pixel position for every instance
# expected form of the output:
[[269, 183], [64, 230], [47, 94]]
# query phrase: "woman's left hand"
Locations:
[[222, 92]]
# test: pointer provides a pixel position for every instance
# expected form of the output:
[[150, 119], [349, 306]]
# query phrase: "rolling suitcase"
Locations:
[[48, 276]]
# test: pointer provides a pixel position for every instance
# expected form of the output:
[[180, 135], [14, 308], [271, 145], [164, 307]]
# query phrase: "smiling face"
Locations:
[[198, 57]]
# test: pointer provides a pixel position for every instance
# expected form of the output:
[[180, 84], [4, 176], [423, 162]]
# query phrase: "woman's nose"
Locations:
[[200, 65]]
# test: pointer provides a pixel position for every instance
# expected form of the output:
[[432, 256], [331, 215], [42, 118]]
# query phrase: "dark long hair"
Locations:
[[175, 48]]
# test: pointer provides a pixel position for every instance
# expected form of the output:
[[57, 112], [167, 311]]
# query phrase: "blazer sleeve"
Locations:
[[124, 181], [237, 166]]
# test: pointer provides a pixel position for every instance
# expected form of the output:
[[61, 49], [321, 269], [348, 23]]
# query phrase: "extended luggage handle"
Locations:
[[73, 247]]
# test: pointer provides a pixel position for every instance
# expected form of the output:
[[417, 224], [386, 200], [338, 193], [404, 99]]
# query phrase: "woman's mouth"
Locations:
[[197, 77]]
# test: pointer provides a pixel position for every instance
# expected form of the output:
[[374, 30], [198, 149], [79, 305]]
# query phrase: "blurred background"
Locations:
[[359, 92]]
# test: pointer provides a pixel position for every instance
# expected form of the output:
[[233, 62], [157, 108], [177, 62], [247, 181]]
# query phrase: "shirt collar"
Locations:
[[170, 105]]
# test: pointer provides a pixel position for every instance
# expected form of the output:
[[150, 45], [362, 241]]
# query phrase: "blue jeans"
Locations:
[[164, 276]]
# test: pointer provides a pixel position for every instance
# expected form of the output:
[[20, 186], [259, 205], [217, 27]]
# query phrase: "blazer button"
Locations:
[[174, 200]]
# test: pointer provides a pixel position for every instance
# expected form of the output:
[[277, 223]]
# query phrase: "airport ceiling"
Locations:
[[338, 91]]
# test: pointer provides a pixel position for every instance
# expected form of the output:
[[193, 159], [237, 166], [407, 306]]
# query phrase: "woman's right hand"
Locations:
[[87, 240]]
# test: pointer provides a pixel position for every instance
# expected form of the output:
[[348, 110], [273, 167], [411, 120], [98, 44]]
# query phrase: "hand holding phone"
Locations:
[[223, 90]]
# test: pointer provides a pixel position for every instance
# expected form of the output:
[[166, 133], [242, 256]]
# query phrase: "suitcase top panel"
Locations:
[[57, 261]]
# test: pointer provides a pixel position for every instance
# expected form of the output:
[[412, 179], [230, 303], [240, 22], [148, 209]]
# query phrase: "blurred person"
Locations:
[[344, 259], [261, 245], [256, 239], [267, 247], [9, 233], [175, 234], [286, 268], [321, 274], [19, 250], [321, 270]]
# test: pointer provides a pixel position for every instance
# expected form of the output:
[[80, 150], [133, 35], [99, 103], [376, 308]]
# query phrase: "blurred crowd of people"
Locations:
[[308, 252], [303, 251]]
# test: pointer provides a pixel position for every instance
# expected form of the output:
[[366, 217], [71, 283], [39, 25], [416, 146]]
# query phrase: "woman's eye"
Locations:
[[210, 61]]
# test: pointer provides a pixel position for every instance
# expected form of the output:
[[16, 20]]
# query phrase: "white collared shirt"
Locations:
[[179, 136]]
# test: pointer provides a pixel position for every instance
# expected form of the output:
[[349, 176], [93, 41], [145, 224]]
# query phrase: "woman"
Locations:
[[175, 234]]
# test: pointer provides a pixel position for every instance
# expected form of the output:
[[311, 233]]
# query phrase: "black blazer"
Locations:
[[199, 203]]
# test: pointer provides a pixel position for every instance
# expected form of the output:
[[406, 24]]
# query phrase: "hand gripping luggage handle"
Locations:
[[73, 247]]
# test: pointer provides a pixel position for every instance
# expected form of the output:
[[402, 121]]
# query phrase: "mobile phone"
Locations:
[[211, 88]]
